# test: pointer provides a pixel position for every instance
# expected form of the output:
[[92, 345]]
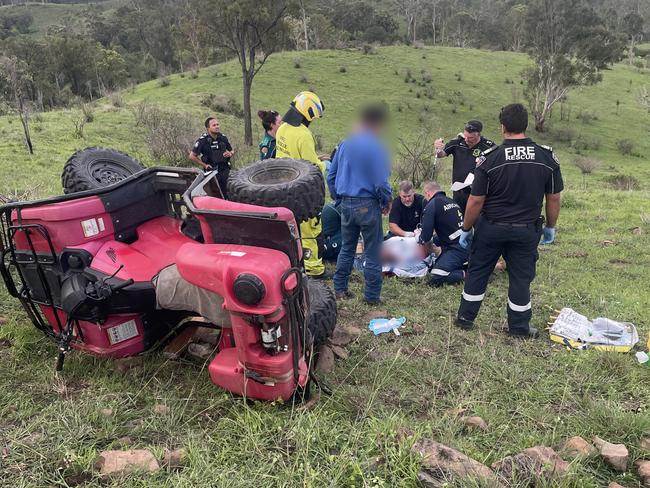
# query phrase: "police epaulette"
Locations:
[[490, 149]]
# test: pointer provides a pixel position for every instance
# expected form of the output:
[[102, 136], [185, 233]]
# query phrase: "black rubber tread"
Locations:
[[291, 183], [322, 311], [77, 172]]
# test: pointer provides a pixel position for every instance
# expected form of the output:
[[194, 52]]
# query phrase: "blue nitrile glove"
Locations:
[[466, 238], [548, 235]]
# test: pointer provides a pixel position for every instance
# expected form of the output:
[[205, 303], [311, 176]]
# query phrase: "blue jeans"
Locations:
[[360, 216], [449, 265]]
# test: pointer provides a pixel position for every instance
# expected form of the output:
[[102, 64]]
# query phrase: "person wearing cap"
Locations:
[[295, 140], [503, 218], [465, 148]]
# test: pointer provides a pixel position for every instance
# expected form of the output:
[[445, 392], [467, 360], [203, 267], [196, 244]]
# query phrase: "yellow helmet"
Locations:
[[309, 105]]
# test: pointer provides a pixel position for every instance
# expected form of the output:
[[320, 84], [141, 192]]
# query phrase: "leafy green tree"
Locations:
[[569, 45], [251, 30]]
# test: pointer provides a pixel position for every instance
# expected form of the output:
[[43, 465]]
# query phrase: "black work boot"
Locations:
[[344, 295], [532, 333], [464, 323]]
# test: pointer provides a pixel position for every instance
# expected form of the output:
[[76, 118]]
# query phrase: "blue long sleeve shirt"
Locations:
[[360, 168]]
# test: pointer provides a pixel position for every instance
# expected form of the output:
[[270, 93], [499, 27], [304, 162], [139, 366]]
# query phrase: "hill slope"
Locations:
[[531, 393]]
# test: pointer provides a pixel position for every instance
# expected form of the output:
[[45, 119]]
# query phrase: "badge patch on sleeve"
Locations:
[[480, 160]]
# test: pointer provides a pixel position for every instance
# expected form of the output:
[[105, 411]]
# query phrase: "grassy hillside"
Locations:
[[529, 393], [48, 14]]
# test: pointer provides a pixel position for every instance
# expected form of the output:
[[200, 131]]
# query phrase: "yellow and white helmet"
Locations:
[[309, 105]]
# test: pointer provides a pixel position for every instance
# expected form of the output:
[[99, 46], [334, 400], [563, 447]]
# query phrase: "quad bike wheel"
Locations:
[[322, 312], [291, 183], [96, 167]]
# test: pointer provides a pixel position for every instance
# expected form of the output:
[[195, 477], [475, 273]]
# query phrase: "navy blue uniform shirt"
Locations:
[[464, 157], [443, 216], [210, 150], [514, 177]]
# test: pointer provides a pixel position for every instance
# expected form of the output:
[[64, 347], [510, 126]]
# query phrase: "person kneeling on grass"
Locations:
[[444, 217]]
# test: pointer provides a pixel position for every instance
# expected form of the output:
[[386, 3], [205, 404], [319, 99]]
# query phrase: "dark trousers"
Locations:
[[360, 216], [461, 197], [518, 245], [449, 265], [222, 178]]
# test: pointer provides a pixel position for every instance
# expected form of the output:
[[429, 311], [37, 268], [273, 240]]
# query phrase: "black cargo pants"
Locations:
[[518, 245]]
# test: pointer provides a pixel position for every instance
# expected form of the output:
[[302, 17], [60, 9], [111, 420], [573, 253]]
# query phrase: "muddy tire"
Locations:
[[322, 311], [291, 183], [95, 167]]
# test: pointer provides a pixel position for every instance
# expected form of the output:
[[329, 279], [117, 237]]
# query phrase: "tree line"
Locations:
[[100, 49]]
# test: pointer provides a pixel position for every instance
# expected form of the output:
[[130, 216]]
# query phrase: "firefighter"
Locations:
[[503, 216], [295, 140]]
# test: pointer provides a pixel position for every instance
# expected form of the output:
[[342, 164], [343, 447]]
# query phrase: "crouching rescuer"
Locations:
[[295, 140], [503, 215], [443, 217]]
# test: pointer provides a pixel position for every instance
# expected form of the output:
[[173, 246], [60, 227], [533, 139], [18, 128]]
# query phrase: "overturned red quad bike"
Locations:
[[130, 256]]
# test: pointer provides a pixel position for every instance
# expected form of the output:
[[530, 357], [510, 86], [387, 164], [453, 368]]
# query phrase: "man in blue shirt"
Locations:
[[358, 182]]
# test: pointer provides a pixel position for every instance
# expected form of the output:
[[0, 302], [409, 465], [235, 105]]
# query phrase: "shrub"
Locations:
[[223, 104], [296, 64], [586, 117], [79, 122], [169, 135], [303, 79], [116, 99], [416, 161], [584, 143], [194, 74], [164, 81], [563, 135], [368, 49], [623, 182], [343, 69], [587, 165], [625, 146], [88, 112]]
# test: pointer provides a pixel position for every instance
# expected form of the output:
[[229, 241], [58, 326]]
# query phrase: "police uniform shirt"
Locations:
[[444, 217], [514, 177], [407, 218], [464, 157], [211, 150]]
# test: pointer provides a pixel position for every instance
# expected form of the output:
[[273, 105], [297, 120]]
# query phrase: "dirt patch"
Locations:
[[619, 263]]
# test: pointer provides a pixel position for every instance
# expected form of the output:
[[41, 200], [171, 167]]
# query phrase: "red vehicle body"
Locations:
[[83, 266]]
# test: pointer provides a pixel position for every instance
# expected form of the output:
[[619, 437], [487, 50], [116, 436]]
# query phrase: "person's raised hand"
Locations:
[[439, 144]]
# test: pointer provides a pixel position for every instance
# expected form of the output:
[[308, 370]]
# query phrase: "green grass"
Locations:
[[529, 393], [46, 15]]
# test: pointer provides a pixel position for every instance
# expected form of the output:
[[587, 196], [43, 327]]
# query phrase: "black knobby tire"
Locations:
[[322, 312], [291, 183], [96, 167]]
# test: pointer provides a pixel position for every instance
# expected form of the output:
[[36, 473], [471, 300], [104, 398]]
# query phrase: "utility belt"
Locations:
[[537, 225]]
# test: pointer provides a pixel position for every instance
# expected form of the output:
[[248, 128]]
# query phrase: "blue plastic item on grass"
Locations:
[[379, 326]]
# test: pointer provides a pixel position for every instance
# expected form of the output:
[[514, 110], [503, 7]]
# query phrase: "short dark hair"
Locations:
[[207, 121], [375, 114], [514, 118]]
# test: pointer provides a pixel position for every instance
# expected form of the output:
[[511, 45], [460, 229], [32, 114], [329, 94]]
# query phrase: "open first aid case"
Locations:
[[578, 332]]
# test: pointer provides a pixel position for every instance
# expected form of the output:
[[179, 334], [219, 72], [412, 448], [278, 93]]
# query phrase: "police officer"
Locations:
[[295, 140], [443, 217], [511, 182], [465, 148], [213, 151]]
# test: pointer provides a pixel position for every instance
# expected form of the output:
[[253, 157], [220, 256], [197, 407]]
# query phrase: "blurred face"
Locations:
[[471, 138], [407, 198], [213, 127]]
